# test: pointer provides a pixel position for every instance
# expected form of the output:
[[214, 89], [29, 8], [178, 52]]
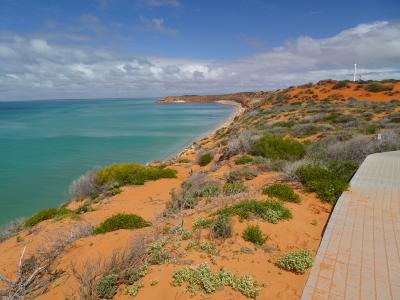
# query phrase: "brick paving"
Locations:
[[359, 255]]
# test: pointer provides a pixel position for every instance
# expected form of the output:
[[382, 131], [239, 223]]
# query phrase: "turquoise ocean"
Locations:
[[45, 145]]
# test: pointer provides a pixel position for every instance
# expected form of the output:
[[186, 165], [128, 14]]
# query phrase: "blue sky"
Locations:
[[161, 47]]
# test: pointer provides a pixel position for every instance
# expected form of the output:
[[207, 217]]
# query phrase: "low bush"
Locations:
[[201, 223], [298, 261], [121, 221], [203, 246], [253, 234], [202, 189], [132, 173], [192, 191], [282, 192], [276, 147], [376, 87], [239, 144], [244, 159], [305, 130], [221, 227], [271, 211], [233, 188], [328, 182], [47, 214], [355, 149], [205, 158], [85, 186], [107, 286], [202, 279], [340, 85]]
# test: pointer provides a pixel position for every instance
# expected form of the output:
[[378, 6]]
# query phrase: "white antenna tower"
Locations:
[[355, 73]]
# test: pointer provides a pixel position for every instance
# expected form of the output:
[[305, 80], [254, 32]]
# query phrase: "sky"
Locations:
[[149, 48]]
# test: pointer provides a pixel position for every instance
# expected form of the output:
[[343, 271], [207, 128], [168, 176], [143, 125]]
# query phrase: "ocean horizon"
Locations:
[[46, 144]]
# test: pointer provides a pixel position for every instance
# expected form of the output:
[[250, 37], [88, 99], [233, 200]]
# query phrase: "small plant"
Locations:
[[244, 159], [154, 282], [207, 247], [205, 159], [314, 222], [49, 213], [157, 252], [190, 194], [203, 279], [233, 188], [298, 261], [254, 235], [271, 211], [276, 147], [106, 287], [84, 209], [201, 223], [121, 221], [221, 227], [133, 275], [134, 290], [205, 189], [282, 192]]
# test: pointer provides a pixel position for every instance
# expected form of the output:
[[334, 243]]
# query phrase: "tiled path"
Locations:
[[359, 255]]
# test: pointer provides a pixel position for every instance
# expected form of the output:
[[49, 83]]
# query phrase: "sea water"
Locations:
[[45, 145]]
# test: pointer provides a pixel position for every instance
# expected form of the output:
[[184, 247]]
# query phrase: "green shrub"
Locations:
[[205, 159], [203, 279], [157, 252], [254, 235], [121, 221], [282, 192], [276, 147], [298, 261], [376, 87], [328, 182], [221, 227], [106, 287], [49, 213], [233, 188], [371, 129], [340, 85], [132, 173], [244, 159], [271, 211]]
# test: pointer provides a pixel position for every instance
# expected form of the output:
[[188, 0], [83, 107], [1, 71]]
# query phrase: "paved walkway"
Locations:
[[359, 255]]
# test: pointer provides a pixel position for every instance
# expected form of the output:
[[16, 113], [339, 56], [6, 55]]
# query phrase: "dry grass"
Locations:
[[36, 273]]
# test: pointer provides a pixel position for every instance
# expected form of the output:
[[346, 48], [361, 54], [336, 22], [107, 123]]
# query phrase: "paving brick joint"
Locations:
[[359, 257]]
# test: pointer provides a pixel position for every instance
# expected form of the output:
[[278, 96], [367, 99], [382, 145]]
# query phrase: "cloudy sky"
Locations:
[[148, 48]]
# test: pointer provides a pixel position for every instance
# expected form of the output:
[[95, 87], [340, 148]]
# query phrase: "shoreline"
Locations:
[[237, 111]]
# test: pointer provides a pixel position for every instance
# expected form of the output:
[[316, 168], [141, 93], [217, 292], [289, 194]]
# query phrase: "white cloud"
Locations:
[[155, 25], [38, 68], [40, 46]]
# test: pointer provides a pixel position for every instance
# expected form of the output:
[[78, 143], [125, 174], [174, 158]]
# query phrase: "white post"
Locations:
[[355, 73]]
